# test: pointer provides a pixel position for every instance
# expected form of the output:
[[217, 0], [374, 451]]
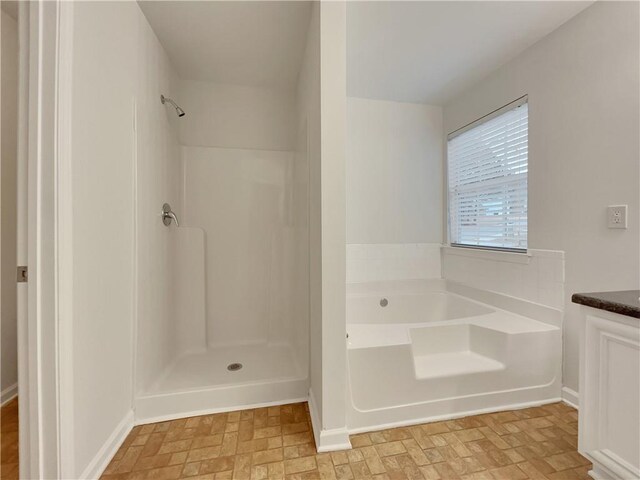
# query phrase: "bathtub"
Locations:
[[396, 308], [420, 351]]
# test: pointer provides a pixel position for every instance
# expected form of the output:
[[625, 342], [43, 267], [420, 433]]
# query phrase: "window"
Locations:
[[487, 176]]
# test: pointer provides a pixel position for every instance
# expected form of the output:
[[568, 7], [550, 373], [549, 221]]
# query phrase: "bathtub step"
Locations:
[[450, 364]]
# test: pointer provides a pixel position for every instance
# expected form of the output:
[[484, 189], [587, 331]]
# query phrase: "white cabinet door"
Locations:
[[609, 431]]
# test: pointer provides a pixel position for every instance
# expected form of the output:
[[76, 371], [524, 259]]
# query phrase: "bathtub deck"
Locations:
[[364, 335]]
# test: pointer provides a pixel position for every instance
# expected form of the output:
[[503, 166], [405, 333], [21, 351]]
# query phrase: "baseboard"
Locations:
[[8, 394], [329, 440], [109, 448], [571, 397], [316, 426], [332, 440]]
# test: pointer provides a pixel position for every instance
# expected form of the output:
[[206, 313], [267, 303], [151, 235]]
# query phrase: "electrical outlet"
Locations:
[[617, 216]]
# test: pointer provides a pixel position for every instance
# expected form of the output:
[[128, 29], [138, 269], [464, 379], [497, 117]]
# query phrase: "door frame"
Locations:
[[44, 211]]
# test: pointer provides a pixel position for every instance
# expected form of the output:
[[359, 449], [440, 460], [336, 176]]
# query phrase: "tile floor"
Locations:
[[9, 440], [277, 442]]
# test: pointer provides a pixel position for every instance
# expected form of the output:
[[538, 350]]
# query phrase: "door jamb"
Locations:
[[45, 55]]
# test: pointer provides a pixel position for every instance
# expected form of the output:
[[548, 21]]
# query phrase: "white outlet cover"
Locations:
[[617, 216]]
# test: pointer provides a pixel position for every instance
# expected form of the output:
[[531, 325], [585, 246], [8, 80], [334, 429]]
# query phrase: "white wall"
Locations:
[[393, 261], [158, 180], [126, 163], [245, 183], [333, 111], [9, 135], [236, 116], [102, 157], [394, 190], [582, 81], [308, 137], [394, 172], [242, 200], [537, 277]]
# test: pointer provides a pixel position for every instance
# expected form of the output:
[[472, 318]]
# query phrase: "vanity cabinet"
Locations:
[[609, 417]]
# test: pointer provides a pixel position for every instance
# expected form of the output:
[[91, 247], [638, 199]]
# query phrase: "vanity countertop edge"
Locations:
[[622, 302]]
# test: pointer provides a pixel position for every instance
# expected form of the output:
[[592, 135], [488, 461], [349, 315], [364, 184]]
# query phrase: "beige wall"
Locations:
[[582, 81], [9, 136]]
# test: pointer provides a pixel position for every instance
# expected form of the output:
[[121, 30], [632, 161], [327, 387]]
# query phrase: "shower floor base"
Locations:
[[200, 383], [209, 368]]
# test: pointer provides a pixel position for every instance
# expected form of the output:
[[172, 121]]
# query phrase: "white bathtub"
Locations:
[[423, 307], [418, 352]]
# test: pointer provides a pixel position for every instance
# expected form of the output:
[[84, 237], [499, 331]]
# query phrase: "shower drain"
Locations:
[[232, 367]]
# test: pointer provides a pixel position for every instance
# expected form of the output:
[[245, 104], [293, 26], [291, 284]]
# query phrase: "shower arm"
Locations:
[[179, 110]]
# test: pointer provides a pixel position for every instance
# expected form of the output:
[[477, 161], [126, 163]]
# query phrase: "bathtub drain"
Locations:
[[232, 367], [384, 302]]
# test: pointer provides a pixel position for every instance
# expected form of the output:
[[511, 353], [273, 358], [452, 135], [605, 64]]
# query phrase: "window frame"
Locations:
[[479, 121]]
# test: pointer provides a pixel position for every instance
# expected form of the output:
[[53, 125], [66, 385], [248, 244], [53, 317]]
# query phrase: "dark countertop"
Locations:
[[623, 302]]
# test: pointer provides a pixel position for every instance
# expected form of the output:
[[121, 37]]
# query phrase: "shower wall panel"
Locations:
[[244, 202], [188, 293], [157, 179]]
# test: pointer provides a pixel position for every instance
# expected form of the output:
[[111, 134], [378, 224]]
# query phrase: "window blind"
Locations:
[[487, 177]]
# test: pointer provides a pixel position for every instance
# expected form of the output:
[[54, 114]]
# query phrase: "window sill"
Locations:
[[496, 255]]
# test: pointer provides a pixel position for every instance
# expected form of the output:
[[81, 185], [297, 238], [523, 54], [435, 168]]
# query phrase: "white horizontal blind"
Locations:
[[487, 168]]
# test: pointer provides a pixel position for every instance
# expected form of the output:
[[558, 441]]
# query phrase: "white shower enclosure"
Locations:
[[223, 299]]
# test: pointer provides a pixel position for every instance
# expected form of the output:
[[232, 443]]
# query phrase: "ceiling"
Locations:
[[427, 52], [233, 42]]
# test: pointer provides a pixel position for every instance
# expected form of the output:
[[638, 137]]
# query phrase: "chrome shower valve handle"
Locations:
[[168, 215]]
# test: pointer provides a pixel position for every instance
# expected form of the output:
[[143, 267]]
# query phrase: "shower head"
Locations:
[[179, 111]]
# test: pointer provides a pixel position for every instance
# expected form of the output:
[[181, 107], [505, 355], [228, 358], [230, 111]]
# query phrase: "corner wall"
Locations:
[[308, 138], [333, 112], [125, 163], [394, 172], [582, 81], [394, 190], [157, 180]]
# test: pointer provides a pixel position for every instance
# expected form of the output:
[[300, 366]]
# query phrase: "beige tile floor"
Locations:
[[277, 442], [9, 440]]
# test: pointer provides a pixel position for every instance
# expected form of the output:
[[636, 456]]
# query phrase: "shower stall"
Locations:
[[222, 240]]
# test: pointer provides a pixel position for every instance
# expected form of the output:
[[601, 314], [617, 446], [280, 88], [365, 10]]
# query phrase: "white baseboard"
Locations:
[[8, 394], [571, 397], [109, 448], [329, 440], [315, 420]]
